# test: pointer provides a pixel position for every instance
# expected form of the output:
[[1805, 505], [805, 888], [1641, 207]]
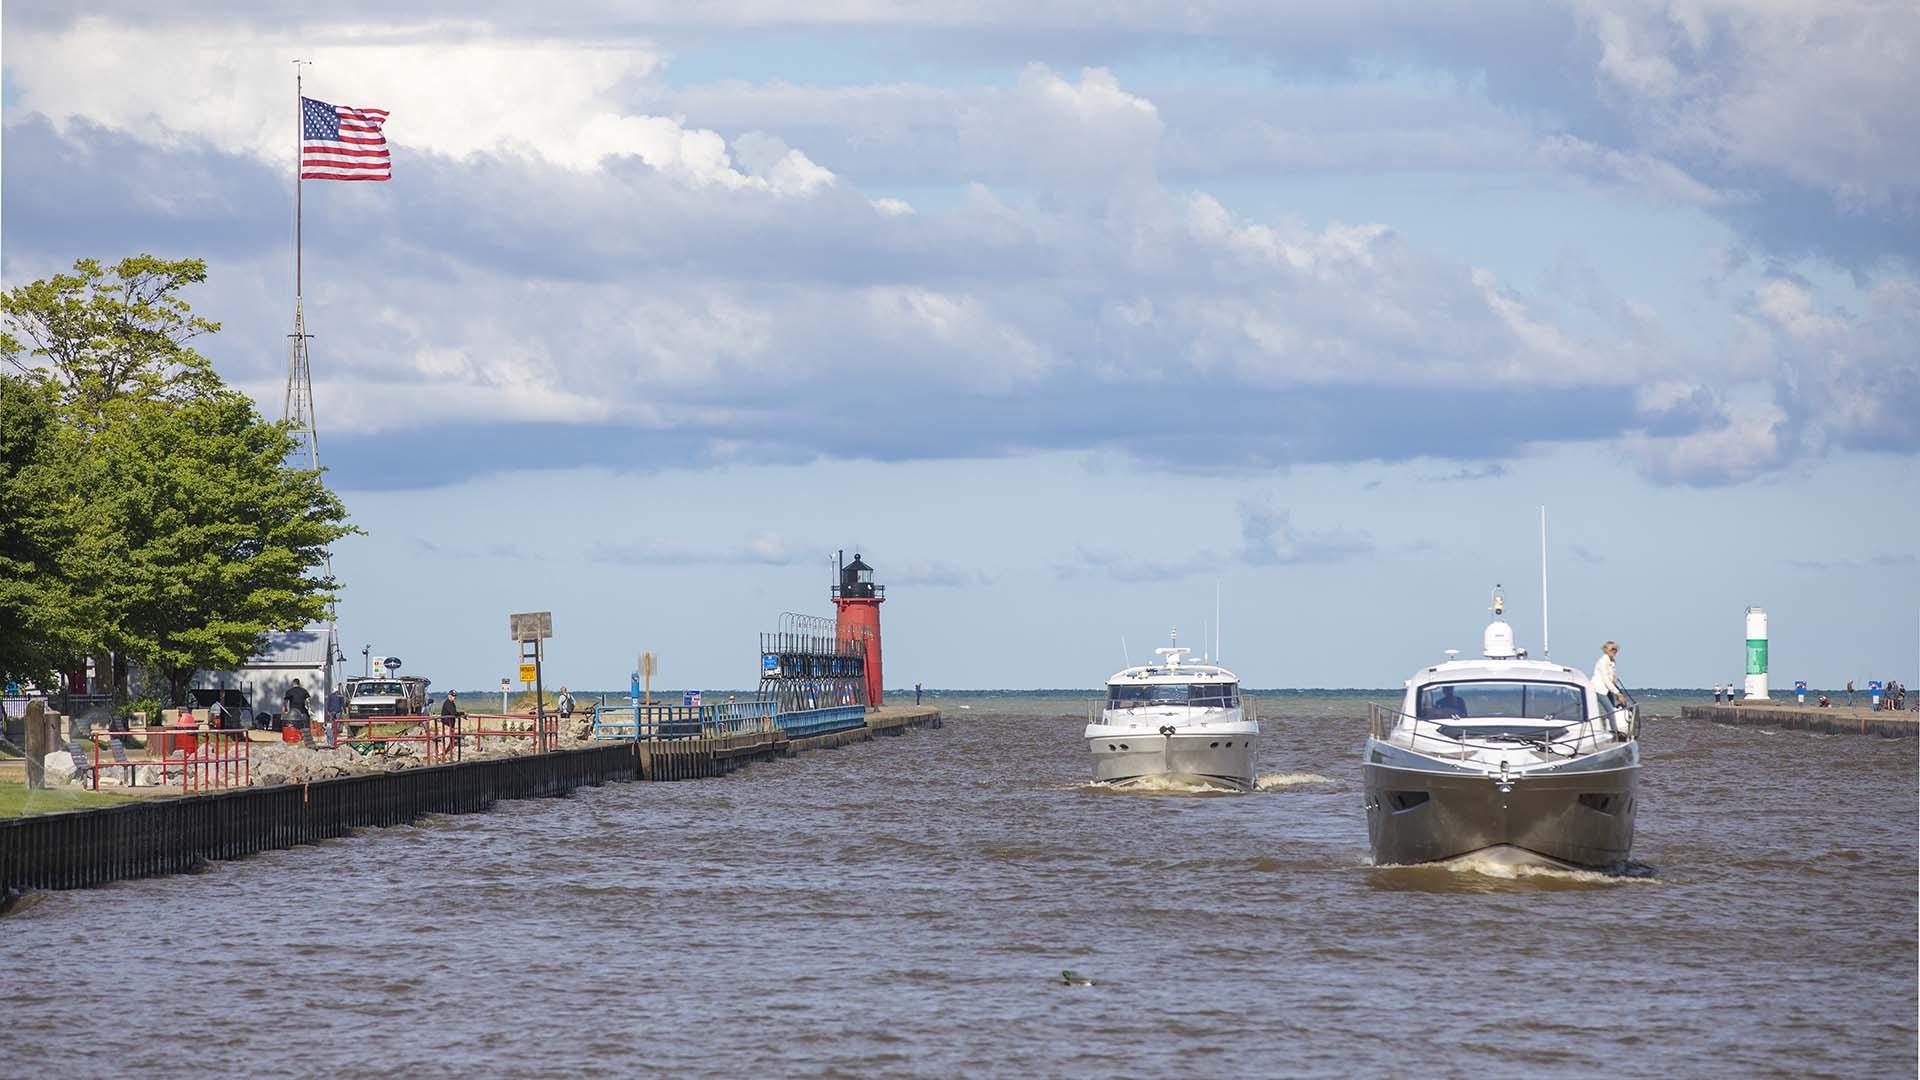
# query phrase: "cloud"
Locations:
[[761, 548], [634, 286], [1267, 538], [1491, 471]]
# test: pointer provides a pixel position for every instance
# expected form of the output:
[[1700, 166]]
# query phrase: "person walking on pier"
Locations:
[[1606, 680], [1849, 693], [566, 704]]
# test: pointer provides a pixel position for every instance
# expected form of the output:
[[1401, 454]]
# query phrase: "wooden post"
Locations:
[[39, 742]]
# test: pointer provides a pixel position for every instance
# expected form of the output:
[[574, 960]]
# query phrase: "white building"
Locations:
[[283, 656]]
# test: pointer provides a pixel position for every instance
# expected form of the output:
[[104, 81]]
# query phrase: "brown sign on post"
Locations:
[[531, 625]]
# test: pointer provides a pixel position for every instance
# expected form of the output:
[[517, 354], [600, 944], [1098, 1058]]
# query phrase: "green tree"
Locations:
[[111, 337], [45, 622], [222, 542], [180, 534]]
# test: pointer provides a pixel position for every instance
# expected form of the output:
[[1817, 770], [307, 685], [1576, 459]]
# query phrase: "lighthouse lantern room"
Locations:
[[856, 602]]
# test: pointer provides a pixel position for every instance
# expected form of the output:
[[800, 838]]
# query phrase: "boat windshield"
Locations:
[[1198, 695], [1502, 700]]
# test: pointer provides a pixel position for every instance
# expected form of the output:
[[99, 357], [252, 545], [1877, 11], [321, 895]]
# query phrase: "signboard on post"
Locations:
[[531, 625], [531, 629], [1800, 690], [692, 698]]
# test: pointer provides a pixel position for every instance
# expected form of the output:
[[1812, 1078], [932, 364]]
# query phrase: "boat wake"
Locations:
[[1159, 785], [1479, 872], [1162, 785], [1283, 781]]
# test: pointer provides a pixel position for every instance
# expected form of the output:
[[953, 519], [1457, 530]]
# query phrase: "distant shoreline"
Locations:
[[662, 694]]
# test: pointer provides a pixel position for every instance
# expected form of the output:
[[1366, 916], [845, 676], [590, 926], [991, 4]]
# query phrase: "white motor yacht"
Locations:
[[1177, 720], [1502, 758]]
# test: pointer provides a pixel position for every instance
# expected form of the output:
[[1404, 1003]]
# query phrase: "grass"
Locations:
[[17, 800]]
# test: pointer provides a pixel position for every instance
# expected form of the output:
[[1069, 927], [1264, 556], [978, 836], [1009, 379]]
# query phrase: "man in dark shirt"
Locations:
[[296, 702], [450, 715]]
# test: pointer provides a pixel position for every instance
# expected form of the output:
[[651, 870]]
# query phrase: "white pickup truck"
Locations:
[[398, 696]]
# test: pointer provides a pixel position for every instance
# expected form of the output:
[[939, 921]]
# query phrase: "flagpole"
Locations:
[[299, 129]]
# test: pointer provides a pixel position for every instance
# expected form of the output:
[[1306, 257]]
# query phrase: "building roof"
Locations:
[[301, 648]]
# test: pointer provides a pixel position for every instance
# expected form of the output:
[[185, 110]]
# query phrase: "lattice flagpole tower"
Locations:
[[299, 403]]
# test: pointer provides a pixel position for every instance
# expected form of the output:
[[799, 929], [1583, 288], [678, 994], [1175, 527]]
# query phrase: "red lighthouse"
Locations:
[[857, 600]]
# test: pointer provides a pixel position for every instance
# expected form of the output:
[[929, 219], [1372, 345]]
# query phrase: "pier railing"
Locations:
[[665, 721], [1424, 735], [199, 759], [801, 723]]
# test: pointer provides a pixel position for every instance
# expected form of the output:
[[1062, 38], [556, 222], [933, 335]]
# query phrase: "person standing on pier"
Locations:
[[296, 705], [1606, 679], [1849, 693], [450, 715]]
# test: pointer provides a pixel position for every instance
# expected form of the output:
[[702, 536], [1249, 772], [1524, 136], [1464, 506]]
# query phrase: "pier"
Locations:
[[1836, 719], [156, 836]]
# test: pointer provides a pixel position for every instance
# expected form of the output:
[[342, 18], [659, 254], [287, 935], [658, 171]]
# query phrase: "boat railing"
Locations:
[[1423, 734], [1098, 708]]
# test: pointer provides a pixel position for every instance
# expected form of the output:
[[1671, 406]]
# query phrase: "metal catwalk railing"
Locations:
[[753, 716], [800, 723]]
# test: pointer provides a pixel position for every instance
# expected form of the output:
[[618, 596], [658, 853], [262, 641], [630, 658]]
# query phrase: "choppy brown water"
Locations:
[[905, 907]]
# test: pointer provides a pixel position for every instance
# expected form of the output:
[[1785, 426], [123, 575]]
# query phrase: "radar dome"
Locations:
[[1499, 640]]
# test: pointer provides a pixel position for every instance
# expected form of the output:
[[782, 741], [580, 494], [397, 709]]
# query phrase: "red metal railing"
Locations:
[[206, 759], [446, 741]]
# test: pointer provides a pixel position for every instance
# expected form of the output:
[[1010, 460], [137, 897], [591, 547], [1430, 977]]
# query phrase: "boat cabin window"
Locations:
[[1502, 700], [1200, 695]]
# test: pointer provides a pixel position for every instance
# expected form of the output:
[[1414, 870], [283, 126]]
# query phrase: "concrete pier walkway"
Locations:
[[882, 720], [1838, 719]]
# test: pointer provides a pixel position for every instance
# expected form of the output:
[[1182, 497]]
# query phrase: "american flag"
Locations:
[[339, 143]]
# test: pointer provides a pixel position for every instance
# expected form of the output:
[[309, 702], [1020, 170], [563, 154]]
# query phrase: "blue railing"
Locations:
[[683, 721], [806, 722]]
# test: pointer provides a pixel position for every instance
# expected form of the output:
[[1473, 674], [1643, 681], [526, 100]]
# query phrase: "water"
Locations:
[[905, 907]]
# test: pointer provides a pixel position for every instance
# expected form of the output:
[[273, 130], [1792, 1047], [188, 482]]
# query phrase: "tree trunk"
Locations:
[[177, 680], [121, 691]]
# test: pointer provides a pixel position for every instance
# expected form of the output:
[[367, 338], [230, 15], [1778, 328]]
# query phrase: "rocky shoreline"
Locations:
[[277, 762]]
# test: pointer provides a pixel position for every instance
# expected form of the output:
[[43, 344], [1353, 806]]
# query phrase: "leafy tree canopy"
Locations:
[[147, 508], [110, 336]]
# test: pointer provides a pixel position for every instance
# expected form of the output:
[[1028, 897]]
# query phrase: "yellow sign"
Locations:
[[526, 673]]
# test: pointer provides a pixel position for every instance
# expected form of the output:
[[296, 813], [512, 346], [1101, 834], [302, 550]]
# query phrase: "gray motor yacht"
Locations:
[[1502, 758]]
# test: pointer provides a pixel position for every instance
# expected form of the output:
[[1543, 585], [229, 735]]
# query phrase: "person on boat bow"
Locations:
[[1606, 683]]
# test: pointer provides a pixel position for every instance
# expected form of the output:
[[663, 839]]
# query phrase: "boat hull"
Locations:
[[1214, 759], [1581, 818]]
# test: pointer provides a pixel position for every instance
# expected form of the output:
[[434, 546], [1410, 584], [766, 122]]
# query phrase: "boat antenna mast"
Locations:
[[1219, 654], [1546, 642]]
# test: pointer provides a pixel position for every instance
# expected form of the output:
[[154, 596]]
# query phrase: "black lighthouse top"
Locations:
[[856, 582]]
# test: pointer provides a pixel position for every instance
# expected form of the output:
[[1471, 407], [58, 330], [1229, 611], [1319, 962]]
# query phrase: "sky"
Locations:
[[1067, 317]]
